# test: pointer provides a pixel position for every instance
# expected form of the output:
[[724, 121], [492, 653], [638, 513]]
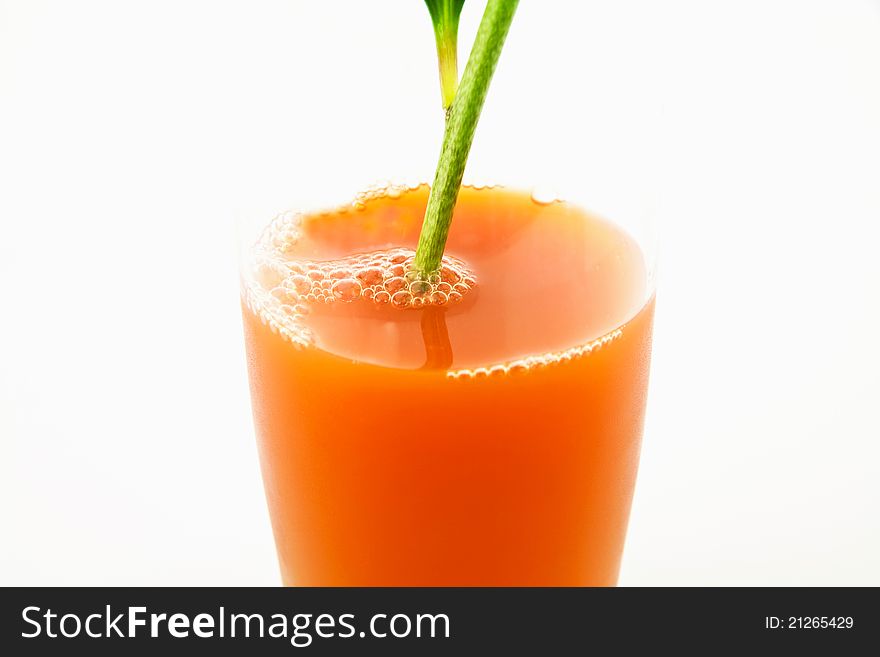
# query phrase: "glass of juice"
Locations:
[[481, 427]]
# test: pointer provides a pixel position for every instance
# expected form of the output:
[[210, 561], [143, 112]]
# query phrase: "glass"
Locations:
[[483, 429]]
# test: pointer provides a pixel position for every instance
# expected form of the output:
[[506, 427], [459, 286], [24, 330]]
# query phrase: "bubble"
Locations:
[[381, 297], [420, 288], [347, 289], [449, 275], [284, 295], [269, 274], [371, 276], [395, 284], [439, 298], [300, 284], [401, 299], [544, 196]]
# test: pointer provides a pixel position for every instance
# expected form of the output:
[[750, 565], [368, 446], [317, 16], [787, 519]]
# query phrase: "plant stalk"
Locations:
[[461, 124], [445, 15]]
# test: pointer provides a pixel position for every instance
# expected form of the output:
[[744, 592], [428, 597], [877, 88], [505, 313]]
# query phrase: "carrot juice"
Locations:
[[480, 428]]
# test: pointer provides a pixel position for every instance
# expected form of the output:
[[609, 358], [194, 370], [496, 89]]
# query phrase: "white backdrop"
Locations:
[[127, 450]]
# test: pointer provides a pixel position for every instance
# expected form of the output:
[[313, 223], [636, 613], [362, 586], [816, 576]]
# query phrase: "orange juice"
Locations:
[[481, 429]]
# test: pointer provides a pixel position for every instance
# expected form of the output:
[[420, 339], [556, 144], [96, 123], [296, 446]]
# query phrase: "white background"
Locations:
[[129, 131]]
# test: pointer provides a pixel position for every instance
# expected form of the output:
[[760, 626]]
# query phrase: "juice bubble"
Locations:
[[285, 296], [401, 299], [347, 289], [300, 284], [544, 196], [269, 274], [419, 288], [449, 275], [395, 284], [370, 276]]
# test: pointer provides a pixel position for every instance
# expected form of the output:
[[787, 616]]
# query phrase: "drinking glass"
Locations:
[[485, 430]]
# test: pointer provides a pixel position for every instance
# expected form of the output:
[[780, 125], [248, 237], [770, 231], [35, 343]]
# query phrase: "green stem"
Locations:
[[444, 15], [461, 124]]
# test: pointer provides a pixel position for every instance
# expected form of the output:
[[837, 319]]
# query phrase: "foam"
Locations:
[[364, 277], [528, 363], [282, 289]]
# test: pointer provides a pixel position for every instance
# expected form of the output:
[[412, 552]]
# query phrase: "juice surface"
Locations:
[[486, 433]]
